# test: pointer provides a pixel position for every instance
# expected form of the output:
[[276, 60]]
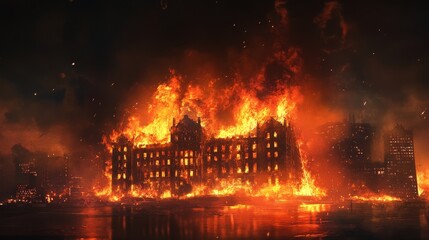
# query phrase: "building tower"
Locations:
[[121, 165], [400, 163], [186, 139]]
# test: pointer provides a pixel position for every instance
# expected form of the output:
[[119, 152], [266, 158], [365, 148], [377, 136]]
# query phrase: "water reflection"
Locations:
[[237, 221], [242, 221]]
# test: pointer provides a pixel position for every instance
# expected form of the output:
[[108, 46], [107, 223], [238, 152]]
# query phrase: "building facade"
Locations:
[[400, 169], [270, 156]]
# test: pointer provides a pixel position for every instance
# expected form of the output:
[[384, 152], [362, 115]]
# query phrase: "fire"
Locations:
[[375, 198], [423, 182], [106, 190], [241, 102], [307, 186]]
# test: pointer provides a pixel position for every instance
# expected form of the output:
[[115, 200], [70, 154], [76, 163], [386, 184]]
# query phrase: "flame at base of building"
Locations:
[[267, 163]]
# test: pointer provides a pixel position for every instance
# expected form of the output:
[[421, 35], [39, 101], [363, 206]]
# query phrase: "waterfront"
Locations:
[[220, 221]]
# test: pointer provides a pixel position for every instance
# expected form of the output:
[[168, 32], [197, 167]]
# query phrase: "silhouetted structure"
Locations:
[[399, 160], [269, 156], [349, 149]]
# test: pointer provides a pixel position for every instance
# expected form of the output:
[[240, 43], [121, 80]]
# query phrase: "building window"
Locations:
[[163, 174], [255, 155], [238, 148], [275, 144], [246, 168], [186, 161], [157, 174], [191, 173], [223, 148], [255, 167], [254, 146], [145, 155], [276, 154], [186, 153], [269, 154], [157, 162], [276, 167], [191, 161], [191, 153], [275, 134], [125, 149], [268, 145], [268, 135], [238, 156], [138, 155]]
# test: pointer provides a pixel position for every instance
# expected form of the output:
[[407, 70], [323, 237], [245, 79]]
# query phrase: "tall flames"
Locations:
[[225, 112], [232, 110]]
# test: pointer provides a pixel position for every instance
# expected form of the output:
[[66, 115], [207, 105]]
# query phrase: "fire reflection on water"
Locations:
[[231, 222]]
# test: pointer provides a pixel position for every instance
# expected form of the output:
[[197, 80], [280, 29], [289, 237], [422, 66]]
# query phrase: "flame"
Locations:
[[241, 102], [307, 186], [375, 198], [423, 182]]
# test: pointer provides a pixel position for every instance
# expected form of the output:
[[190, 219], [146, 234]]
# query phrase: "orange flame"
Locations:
[[423, 182], [375, 198], [307, 186], [241, 103]]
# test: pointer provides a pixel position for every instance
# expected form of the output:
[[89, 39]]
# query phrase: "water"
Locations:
[[238, 221]]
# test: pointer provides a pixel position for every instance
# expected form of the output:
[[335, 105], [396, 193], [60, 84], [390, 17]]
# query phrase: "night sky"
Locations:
[[67, 68]]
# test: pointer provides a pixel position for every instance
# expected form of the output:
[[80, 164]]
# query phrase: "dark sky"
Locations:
[[68, 66]]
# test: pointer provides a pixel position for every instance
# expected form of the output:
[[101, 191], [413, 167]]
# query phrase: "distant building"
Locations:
[[375, 176], [269, 156], [401, 180], [26, 175], [349, 149], [75, 189]]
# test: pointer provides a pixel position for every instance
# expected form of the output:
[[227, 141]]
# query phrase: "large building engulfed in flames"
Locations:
[[269, 155]]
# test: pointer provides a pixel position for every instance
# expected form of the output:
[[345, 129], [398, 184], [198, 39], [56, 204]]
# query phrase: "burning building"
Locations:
[[269, 155], [400, 166]]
